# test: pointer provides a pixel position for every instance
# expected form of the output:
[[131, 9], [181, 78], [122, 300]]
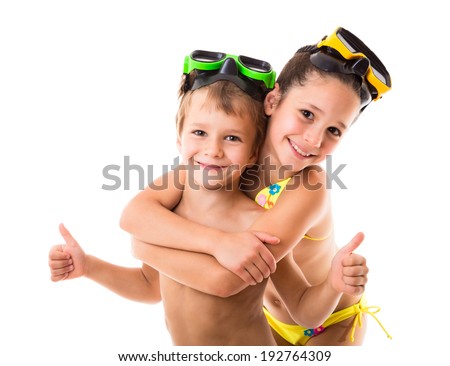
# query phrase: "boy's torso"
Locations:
[[196, 318]]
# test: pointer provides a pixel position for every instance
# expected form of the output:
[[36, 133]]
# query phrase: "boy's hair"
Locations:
[[229, 98], [298, 69]]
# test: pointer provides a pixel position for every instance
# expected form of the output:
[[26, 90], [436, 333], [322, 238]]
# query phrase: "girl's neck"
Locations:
[[271, 170], [263, 175]]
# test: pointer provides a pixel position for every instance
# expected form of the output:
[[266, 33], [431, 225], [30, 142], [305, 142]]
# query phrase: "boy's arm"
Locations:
[[305, 199], [148, 217], [136, 284], [309, 305], [68, 261], [199, 271]]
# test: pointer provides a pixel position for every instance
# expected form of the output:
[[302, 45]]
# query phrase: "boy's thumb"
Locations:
[[66, 235]]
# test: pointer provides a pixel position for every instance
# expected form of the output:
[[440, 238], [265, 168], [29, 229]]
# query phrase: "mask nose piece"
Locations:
[[360, 66], [229, 67]]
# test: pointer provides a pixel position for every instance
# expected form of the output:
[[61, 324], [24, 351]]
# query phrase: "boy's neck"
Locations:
[[204, 199]]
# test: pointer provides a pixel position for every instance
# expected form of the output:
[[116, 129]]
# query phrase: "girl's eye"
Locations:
[[335, 131], [199, 133], [233, 138], [307, 114]]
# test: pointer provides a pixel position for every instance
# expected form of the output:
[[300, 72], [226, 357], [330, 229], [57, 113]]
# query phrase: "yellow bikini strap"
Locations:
[[316, 239], [371, 310]]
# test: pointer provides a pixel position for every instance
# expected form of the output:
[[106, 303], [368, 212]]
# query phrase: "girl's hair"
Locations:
[[299, 68], [229, 98]]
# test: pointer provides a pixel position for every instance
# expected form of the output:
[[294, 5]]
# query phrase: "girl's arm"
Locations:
[[199, 271], [148, 217], [301, 205], [304, 206], [299, 202], [297, 209], [68, 261], [309, 305]]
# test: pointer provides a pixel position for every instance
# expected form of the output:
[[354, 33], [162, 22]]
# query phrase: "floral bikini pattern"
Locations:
[[313, 332], [268, 196]]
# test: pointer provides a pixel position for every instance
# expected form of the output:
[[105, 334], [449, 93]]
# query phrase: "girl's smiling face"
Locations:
[[309, 121]]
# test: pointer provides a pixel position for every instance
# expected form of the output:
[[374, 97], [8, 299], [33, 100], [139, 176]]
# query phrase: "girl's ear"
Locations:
[[179, 143], [271, 100]]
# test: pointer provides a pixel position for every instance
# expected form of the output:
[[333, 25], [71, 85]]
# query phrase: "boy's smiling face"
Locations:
[[217, 146]]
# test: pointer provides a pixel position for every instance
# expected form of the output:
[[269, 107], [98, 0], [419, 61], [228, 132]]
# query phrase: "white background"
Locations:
[[85, 83]]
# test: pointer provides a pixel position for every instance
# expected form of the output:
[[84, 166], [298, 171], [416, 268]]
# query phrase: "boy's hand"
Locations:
[[246, 255], [349, 270], [67, 261]]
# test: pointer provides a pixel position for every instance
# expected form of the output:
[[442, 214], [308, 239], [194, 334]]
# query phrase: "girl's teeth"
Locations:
[[296, 148]]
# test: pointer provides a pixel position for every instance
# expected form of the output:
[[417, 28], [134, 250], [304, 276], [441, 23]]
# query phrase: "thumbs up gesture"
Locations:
[[348, 272], [66, 261]]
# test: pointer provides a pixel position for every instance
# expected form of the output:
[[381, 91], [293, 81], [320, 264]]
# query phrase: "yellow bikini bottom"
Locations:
[[298, 335]]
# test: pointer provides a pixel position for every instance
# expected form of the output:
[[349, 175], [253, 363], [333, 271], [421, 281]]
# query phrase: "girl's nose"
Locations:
[[313, 137]]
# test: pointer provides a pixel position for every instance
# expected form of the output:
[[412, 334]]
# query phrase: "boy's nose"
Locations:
[[214, 149]]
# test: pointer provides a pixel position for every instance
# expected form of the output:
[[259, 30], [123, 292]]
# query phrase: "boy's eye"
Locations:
[[199, 133], [335, 131], [233, 138], [307, 114]]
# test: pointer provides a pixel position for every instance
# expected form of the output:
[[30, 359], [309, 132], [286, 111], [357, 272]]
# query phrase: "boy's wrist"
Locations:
[[88, 259]]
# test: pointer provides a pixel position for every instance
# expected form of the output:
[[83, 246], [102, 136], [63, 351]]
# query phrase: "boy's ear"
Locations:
[[271, 100], [254, 158]]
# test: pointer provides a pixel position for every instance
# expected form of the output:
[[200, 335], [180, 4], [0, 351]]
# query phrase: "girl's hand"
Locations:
[[246, 255], [349, 270]]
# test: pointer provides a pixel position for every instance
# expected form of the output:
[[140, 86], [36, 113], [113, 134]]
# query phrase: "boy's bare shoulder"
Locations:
[[248, 211]]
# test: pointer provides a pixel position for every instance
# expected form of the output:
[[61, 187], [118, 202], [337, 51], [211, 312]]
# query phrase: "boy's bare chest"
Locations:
[[232, 220]]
